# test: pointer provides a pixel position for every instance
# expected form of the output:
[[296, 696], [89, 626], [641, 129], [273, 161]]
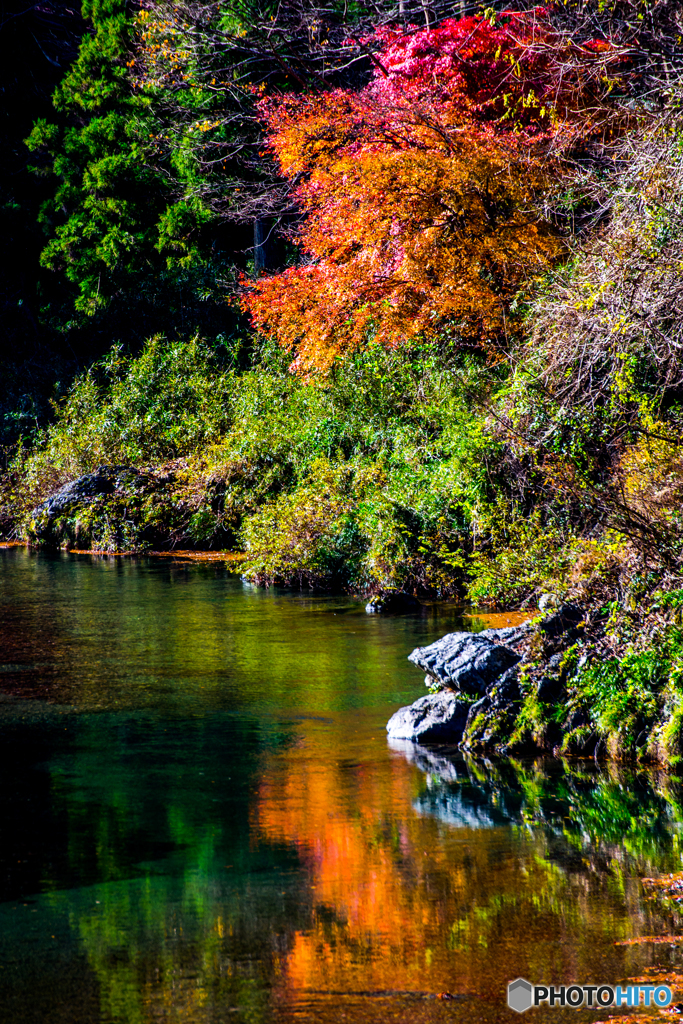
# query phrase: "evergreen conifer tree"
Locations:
[[115, 232]]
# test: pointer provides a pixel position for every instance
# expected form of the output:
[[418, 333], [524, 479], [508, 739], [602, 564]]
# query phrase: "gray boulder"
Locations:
[[564, 620], [469, 662], [70, 515], [507, 687], [436, 718], [105, 480]]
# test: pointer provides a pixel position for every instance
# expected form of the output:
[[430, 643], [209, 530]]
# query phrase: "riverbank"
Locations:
[[601, 682], [602, 676], [177, 555]]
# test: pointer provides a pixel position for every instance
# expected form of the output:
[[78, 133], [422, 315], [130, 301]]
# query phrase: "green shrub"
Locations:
[[525, 556], [170, 401], [629, 697], [368, 479], [624, 695], [308, 535]]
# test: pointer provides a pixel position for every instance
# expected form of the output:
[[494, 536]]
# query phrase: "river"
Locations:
[[202, 820]]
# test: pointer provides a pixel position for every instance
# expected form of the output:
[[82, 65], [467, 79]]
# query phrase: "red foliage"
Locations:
[[418, 191], [499, 74]]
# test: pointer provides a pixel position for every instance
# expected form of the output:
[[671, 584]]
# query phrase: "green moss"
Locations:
[[634, 701], [531, 723]]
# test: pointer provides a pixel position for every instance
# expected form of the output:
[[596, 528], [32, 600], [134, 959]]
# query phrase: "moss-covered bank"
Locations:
[[602, 682]]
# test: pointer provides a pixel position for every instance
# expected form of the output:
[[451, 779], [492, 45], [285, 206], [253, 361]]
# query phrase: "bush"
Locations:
[[525, 558], [635, 700], [369, 479], [166, 404], [309, 535]]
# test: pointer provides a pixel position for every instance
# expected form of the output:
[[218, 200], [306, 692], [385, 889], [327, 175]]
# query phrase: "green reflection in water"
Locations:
[[202, 820]]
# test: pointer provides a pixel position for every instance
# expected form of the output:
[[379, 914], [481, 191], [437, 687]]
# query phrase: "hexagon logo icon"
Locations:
[[520, 994]]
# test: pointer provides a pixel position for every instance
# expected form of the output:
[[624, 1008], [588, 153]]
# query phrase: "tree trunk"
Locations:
[[259, 247]]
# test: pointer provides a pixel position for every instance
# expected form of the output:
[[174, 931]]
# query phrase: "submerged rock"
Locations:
[[436, 718]]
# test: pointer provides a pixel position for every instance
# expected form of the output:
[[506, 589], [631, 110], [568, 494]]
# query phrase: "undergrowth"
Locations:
[[557, 466]]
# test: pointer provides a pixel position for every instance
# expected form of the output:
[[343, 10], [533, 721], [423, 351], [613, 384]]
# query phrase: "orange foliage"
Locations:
[[407, 244], [418, 193]]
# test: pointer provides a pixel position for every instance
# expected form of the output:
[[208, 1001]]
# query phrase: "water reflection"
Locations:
[[438, 899], [202, 820], [610, 810]]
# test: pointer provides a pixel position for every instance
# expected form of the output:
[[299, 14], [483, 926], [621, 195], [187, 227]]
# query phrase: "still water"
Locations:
[[202, 820]]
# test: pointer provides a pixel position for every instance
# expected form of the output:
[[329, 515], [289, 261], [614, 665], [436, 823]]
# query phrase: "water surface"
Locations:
[[202, 819]]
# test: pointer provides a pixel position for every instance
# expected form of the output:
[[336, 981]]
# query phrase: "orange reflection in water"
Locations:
[[391, 890], [403, 902], [370, 928]]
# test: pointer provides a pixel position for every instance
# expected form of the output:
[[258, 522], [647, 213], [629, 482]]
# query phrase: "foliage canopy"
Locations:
[[420, 192]]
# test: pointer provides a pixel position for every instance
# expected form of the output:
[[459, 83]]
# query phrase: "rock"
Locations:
[[547, 602], [582, 742], [391, 602], [567, 617], [65, 516], [436, 718], [105, 480], [506, 687], [120, 508], [481, 665], [550, 689], [480, 707], [465, 661]]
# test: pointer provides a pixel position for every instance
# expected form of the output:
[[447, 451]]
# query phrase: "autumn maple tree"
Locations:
[[419, 191]]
